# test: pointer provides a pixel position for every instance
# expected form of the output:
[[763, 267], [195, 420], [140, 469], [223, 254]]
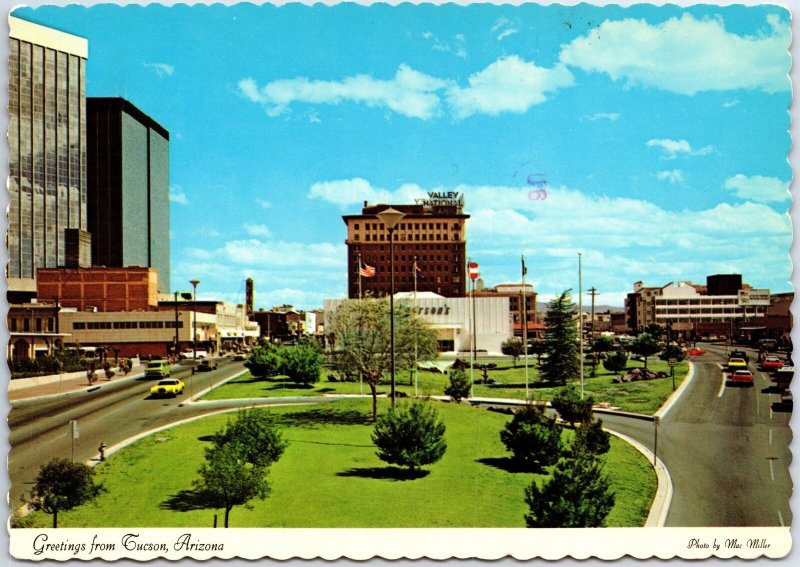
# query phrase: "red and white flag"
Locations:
[[473, 270], [366, 270]]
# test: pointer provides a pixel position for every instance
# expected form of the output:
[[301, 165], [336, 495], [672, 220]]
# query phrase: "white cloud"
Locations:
[[730, 103], [672, 148], [610, 116], [510, 84], [685, 55], [161, 69], [264, 203], [257, 230], [346, 192], [499, 23], [758, 188], [674, 176], [177, 195], [409, 92], [505, 33]]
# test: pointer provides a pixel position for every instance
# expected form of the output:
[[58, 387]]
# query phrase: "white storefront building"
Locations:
[[451, 319]]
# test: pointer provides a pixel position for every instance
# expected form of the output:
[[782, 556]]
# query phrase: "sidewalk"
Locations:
[[70, 384]]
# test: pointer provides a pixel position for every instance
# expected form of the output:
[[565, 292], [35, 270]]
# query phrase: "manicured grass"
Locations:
[[639, 397], [330, 476]]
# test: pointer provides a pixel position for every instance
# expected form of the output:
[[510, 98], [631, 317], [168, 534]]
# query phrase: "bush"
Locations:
[[302, 363], [410, 436], [533, 439], [266, 360], [459, 387], [616, 362], [592, 438], [671, 351], [577, 496], [571, 408]]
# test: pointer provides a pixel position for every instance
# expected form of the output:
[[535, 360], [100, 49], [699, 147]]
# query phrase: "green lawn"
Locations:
[[329, 476], [638, 397]]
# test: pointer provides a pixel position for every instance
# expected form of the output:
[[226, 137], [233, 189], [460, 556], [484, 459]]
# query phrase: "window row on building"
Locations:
[[90, 325]]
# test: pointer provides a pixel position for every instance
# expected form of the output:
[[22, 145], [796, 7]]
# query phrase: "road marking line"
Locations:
[[722, 386], [771, 470], [770, 436], [720, 366], [780, 518], [758, 402]]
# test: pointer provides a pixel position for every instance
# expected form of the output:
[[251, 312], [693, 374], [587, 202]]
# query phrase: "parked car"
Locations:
[[170, 387], [741, 377], [783, 377], [240, 356], [771, 363], [736, 364], [190, 354], [206, 366], [159, 368], [696, 352]]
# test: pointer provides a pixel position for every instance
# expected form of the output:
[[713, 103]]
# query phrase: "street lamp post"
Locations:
[[390, 217]]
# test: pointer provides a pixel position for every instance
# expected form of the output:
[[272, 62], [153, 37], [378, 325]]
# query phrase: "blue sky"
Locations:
[[661, 134]]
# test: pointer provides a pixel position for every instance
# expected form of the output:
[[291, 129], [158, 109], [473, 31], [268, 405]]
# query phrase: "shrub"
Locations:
[[410, 436], [459, 387], [302, 363], [569, 405], [533, 439], [616, 362], [577, 496], [671, 351], [266, 360], [592, 438]]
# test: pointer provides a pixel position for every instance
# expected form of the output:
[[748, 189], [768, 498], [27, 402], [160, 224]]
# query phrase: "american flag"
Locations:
[[417, 272], [366, 270]]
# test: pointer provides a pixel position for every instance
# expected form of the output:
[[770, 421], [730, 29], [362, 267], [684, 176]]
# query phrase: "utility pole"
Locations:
[[592, 292]]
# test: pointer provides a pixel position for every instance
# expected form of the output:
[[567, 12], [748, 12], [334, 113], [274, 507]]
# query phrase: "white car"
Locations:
[[190, 354]]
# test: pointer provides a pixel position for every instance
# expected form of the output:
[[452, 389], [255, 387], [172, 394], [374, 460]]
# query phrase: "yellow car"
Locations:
[[168, 387], [735, 364]]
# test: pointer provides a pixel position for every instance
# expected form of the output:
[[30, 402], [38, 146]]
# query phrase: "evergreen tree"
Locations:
[[410, 436], [533, 439], [63, 485], [577, 496], [561, 345], [591, 437], [459, 387], [569, 405]]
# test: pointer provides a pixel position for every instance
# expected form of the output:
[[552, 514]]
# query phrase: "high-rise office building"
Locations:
[[433, 232], [128, 187], [47, 142]]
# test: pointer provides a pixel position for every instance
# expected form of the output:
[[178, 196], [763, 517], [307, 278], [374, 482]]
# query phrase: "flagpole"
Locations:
[[359, 275], [525, 327], [472, 330], [580, 319], [416, 375]]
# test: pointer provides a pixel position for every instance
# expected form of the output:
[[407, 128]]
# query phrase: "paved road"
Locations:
[[117, 411], [726, 448]]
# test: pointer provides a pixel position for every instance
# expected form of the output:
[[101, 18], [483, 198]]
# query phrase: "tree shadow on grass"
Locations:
[[186, 501], [324, 416], [385, 473], [505, 464]]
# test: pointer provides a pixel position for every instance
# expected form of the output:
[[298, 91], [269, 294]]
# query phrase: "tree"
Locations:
[[533, 439], [671, 351], [265, 360], [600, 346], [655, 330], [459, 387], [63, 485], [645, 345], [577, 496], [591, 437], [227, 481], [569, 405], [362, 340], [254, 436], [560, 337], [302, 363], [537, 347], [237, 463], [616, 362], [410, 436], [512, 347]]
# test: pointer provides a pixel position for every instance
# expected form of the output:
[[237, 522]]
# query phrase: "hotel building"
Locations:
[[433, 231]]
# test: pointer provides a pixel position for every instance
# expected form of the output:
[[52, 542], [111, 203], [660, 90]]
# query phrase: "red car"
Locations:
[[771, 363], [696, 351], [741, 377]]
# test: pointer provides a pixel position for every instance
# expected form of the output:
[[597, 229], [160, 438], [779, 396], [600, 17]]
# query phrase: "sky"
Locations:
[[652, 140]]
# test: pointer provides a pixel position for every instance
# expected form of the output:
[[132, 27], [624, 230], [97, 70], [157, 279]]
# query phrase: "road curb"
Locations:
[[666, 406], [659, 509]]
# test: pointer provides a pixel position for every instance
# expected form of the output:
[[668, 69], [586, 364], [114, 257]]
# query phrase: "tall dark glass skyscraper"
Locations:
[[128, 174], [47, 139]]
